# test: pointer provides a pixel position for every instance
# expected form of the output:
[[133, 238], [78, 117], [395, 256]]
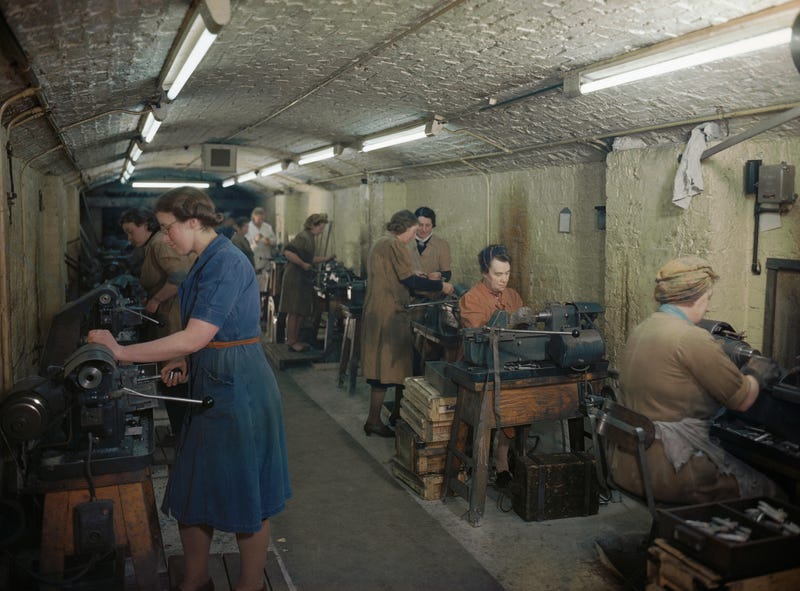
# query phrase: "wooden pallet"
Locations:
[[224, 571], [280, 356], [668, 569]]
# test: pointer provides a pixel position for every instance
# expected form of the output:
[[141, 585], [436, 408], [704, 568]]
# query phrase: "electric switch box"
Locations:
[[776, 184], [94, 527]]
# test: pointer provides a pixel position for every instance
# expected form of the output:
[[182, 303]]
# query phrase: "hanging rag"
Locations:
[[689, 178]]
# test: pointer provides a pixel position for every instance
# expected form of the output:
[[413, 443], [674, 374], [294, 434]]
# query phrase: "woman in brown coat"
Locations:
[[387, 353]]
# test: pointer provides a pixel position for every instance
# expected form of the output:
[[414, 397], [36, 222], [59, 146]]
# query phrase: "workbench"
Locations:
[[135, 522], [434, 345], [545, 393]]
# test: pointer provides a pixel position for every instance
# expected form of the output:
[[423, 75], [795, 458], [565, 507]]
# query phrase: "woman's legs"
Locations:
[[398, 398], [253, 557], [196, 540], [376, 397], [292, 328]]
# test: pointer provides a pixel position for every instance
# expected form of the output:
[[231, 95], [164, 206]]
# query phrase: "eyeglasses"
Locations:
[[166, 229]]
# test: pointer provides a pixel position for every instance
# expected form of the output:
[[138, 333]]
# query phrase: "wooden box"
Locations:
[[553, 486], [435, 376], [428, 431], [428, 401], [416, 455], [427, 486]]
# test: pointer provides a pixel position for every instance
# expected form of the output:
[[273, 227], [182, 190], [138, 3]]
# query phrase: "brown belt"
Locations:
[[226, 344]]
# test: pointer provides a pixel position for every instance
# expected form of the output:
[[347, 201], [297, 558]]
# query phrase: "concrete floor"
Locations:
[[351, 525]]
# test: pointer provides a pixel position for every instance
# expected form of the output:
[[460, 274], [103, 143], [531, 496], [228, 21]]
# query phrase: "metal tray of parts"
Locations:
[[767, 550]]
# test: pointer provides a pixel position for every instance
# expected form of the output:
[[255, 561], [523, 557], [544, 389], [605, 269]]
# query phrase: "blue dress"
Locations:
[[231, 470]]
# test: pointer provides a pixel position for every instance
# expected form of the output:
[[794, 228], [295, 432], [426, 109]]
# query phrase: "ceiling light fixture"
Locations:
[[408, 134], [247, 176], [150, 127], [134, 152], [272, 169], [168, 185], [129, 167], [321, 154], [229, 182], [755, 32], [193, 43]]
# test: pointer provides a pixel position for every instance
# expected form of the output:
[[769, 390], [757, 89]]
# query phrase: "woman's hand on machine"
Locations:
[[174, 372], [105, 338]]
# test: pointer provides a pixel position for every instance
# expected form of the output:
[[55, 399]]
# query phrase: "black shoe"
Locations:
[[503, 479], [380, 431]]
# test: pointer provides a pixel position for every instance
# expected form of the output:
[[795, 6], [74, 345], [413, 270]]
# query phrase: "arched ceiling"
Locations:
[[285, 77]]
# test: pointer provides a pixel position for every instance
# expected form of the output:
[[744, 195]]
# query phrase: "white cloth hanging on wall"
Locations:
[[689, 178]]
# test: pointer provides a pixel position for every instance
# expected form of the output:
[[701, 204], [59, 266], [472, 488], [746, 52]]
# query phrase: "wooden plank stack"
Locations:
[[422, 436]]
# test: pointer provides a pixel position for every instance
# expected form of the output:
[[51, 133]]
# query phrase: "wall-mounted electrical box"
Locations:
[[776, 184]]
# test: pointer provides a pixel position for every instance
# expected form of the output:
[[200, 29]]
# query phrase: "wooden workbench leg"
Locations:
[[355, 354], [347, 345], [137, 502], [55, 518], [481, 443]]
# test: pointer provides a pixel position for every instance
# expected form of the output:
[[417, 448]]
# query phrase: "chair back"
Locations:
[[629, 431]]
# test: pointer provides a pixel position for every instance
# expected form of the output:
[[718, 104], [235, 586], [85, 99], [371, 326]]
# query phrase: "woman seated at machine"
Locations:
[[677, 375], [476, 307]]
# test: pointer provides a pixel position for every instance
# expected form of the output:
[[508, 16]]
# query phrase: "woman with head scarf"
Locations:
[[297, 291], [476, 307], [676, 374], [387, 341]]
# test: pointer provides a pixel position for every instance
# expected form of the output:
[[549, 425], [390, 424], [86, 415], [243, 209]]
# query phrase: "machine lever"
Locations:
[[574, 332], [206, 402], [155, 321]]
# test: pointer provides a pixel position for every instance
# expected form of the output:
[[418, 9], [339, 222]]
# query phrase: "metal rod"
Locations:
[[140, 315], [203, 402], [753, 131]]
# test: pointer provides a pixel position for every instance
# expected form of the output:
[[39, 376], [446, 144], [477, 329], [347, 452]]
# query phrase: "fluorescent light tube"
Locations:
[[192, 49], [129, 167], [229, 182], [167, 185], [317, 155], [686, 56], [271, 169], [392, 139], [150, 127], [135, 152], [247, 176]]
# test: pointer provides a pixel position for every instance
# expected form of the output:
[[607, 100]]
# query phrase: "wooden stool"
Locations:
[[136, 525], [521, 403]]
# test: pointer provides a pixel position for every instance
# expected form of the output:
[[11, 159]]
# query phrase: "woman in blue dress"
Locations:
[[230, 472]]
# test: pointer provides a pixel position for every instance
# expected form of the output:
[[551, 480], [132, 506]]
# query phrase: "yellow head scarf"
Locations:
[[684, 280]]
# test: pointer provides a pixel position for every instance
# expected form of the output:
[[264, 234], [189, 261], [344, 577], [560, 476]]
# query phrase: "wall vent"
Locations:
[[219, 158]]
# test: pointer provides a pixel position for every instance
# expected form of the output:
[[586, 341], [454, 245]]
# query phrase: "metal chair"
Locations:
[[629, 431]]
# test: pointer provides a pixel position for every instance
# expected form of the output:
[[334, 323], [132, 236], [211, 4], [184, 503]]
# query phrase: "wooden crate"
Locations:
[[668, 569], [553, 486], [429, 431], [429, 401], [427, 486], [416, 455]]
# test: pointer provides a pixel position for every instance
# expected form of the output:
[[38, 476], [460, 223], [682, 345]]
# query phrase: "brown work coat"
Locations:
[[297, 290], [162, 264], [671, 369], [386, 345]]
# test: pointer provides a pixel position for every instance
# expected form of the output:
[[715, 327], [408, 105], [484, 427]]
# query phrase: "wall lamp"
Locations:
[[321, 154], [192, 44], [761, 30], [401, 136], [168, 185]]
